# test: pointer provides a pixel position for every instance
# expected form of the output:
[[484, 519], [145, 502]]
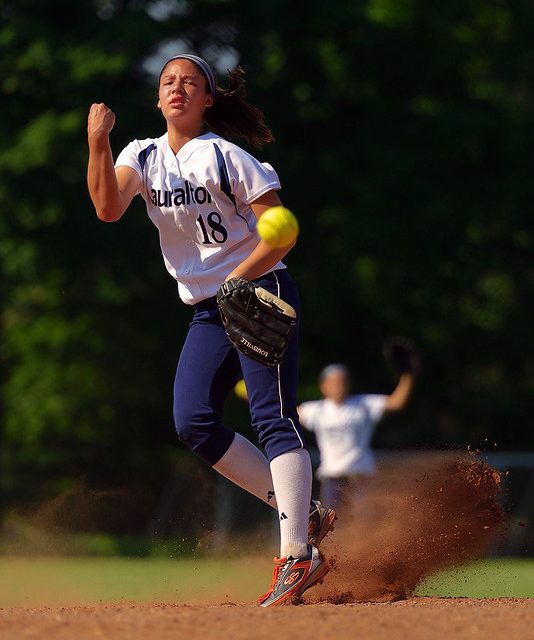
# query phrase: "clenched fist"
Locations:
[[100, 121]]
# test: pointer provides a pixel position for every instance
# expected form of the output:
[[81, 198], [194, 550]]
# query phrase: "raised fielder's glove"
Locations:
[[401, 353], [257, 322]]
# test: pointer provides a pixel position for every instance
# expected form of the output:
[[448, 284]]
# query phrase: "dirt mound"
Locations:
[[418, 516]]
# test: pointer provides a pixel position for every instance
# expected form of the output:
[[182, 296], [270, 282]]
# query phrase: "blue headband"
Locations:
[[204, 67]]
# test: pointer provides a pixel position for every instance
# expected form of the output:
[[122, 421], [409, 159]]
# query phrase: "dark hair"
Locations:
[[232, 115]]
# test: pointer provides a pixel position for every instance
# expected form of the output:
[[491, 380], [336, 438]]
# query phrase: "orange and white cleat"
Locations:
[[293, 576], [321, 521]]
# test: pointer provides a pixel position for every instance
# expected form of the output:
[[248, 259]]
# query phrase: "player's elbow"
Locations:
[[108, 214], [290, 246]]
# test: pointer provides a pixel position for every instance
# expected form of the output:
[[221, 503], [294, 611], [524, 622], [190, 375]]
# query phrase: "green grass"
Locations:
[[30, 582], [495, 578], [53, 581]]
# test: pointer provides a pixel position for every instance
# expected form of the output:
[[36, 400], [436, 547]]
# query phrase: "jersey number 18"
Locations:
[[216, 233]]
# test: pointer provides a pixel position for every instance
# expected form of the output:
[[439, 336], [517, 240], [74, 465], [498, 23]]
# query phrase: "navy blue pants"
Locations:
[[208, 369]]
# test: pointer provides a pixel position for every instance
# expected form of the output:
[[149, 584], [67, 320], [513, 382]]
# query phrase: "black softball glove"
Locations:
[[257, 322], [401, 353]]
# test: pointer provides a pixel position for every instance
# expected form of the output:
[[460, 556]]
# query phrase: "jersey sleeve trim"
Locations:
[[225, 181], [143, 155], [223, 175], [273, 186], [249, 178], [134, 158]]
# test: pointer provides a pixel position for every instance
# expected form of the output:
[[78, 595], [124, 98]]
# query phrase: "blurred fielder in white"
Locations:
[[344, 424]]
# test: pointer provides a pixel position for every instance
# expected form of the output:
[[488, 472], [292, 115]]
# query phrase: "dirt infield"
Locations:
[[427, 514], [416, 618]]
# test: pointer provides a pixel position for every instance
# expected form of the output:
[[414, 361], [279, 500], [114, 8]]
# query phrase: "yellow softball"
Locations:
[[278, 227], [241, 390]]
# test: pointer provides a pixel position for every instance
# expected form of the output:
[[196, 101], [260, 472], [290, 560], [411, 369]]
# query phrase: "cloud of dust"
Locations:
[[59, 525], [424, 514]]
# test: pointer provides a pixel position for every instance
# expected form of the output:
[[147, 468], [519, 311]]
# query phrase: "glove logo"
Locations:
[[249, 345]]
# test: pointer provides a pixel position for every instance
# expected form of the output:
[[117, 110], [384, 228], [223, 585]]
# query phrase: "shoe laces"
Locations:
[[278, 566]]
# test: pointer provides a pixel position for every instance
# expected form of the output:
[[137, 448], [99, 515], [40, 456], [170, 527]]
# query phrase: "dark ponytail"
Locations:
[[232, 115]]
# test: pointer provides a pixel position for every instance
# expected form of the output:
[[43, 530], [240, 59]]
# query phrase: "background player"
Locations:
[[344, 425], [205, 194]]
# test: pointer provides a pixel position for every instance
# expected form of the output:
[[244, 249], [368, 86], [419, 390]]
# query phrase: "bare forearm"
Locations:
[[261, 260], [264, 257], [398, 400], [102, 181], [109, 198]]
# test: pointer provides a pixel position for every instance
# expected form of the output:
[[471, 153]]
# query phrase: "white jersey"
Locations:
[[344, 432], [199, 201]]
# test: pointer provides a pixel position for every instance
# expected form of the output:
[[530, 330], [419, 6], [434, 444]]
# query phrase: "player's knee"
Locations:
[[185, 423], [203, 433]]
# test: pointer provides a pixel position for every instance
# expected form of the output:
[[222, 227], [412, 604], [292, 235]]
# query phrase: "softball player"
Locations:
[[205, 194], [344, 425]]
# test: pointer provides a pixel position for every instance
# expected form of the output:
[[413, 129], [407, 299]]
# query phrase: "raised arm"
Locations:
[[398, 399], [111, 189], [263, 257]]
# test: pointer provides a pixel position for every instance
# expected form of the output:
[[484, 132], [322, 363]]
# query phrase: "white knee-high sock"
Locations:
[[246, 466], [292, 480]]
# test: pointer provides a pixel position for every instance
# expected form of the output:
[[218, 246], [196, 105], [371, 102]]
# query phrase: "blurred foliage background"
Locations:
[[404, 143]]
